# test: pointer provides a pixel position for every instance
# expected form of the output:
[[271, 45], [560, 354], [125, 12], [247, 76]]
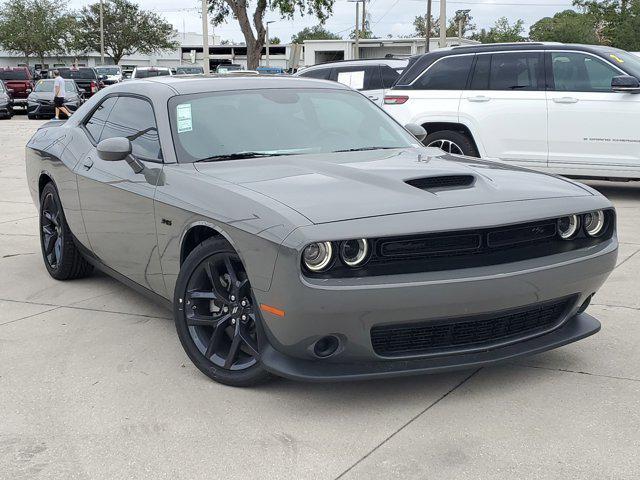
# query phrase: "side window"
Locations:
[[319, 73], [358, 78], [389, 76], [133, 118], [577, 72], [449, 73], [516, 71], [96, 122]]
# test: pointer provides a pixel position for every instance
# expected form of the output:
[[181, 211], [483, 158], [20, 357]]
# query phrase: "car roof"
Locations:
[[184, 85], [153, 67], [392, 62]]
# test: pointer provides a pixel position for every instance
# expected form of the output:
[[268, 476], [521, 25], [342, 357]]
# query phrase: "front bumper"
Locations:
[[576, 328], [47, 109]]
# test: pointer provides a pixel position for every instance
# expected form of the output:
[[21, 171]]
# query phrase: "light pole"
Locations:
[[427, 45], [205, 37], [443, 23], [101, 35], [357, 30], [268, 41]]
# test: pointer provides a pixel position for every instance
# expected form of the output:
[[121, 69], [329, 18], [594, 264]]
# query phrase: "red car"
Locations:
[[20, 80]]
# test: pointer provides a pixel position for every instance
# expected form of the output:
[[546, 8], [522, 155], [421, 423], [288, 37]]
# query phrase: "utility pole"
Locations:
[[427, 45], [268, 41], [205, 37], [461, 16], [357, 33], [443, 23], [101, 35], [364, 17]]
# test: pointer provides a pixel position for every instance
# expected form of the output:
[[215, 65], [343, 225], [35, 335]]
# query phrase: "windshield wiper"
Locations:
[[240, 155], [364, 149]]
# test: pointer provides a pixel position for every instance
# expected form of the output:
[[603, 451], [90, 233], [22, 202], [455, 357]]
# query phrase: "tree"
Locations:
[[617, 22], [127, 30], [502, 31], [274, 41], [34, 27], [252, 23], [567, 27], [314, 33], [420, 25]]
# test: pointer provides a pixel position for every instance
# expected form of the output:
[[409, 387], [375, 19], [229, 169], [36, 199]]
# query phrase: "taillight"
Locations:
[[94, 87], [395, 99]]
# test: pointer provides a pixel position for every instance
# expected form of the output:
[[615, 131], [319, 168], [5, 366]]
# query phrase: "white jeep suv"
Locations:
[[567, 109]]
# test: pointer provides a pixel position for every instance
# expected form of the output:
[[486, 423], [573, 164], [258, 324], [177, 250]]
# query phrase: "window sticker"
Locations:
[[616, 58], [354, 80], [183, 115]]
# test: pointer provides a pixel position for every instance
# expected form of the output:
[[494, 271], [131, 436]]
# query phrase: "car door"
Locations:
[[117, 197], [364, 78], [590, 127], [505, 107]]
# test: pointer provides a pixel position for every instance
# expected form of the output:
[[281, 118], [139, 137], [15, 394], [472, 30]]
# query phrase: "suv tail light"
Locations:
[[94, 87], [395, 99]]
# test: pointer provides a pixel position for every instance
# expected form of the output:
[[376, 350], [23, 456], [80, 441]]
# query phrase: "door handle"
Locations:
[[88, 163], [373, 99], [479, 98], [565, 100]]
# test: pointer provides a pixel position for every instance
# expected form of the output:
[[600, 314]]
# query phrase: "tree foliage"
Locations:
[[501, 32], [317, 32], [34, 28], [127, 30], [252, 23], [567, 27], [420, 26], [615, 22]]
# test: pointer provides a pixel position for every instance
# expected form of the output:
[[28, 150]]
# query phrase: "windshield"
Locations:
[[625, 60], [108, 70], [13, 75], [47, 86], [151, 73], [280, 122], [81, 73], [227, 68], [189, 70]]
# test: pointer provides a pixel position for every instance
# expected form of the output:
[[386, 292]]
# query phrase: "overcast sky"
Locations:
[[393, 17]]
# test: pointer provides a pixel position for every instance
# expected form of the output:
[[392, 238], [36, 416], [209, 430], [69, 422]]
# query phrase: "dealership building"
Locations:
[[286, 56]]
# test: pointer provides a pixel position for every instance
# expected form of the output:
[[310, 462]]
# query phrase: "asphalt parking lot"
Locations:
[[95, 385]]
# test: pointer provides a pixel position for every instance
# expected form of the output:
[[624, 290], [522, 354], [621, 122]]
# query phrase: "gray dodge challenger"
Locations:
[[297, 230]]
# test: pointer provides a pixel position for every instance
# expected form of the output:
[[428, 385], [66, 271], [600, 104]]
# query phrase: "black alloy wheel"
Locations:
[[61, 256], [51, 230], [216, 317]]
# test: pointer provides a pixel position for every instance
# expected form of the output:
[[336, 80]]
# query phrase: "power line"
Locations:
[[501, 4]]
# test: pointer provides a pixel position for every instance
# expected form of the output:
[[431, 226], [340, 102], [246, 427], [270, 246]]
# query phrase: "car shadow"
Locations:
[[616, 190]]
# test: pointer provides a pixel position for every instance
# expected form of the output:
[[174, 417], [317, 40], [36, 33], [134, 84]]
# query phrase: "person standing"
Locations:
[[58, 95]]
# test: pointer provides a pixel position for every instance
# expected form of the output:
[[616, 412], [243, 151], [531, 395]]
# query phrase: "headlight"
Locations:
[[317, 256], [594, 223], [354, 253], [568, 226]]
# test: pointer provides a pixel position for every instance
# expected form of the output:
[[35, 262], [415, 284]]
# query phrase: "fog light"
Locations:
[[317, 256], [354, 252], [594, 223], [568, 226], [326, 346]]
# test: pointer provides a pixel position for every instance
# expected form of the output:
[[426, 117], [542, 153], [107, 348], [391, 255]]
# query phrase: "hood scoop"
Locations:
[[441, 182]]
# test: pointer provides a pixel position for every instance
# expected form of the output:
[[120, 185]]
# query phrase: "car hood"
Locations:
[[36, 96], [341, 186]]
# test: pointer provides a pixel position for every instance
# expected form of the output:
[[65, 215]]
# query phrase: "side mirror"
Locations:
[[114, 149], [416, 130], [625, 84]]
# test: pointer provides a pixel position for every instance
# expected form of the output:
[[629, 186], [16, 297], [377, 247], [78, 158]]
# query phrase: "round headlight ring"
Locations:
[[594, 223], [568, 226], [354, 253], [317, 256]]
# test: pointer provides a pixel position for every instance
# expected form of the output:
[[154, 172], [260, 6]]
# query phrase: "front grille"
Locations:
[[443, 181], [442, 336]]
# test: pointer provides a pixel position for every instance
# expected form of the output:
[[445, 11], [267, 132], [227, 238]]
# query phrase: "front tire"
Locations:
[[452, 142], [216, 316], [61, 257]]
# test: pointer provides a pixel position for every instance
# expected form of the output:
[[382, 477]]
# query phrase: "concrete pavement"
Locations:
[[95, 385]]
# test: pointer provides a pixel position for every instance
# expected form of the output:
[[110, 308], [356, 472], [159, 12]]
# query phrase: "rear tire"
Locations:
[[217, 317], [32, 117], [452, 142], [61, 257]]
